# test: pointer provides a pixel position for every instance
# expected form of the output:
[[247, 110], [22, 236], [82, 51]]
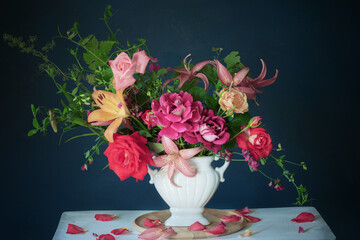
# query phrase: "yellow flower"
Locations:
[[233, 100], [112, 109]]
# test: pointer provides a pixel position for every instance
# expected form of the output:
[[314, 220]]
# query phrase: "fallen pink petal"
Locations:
[[73, 229], [119, 231], [105, 217], [152, 223], [301, 230], [157, 233], [232, 218], [218, 230], [196, 226], [106, 237], [252, 219], [304, 217], [221, 223], [243, 211]]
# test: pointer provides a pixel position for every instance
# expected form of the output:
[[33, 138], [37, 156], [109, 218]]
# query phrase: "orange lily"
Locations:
[[112, 109]]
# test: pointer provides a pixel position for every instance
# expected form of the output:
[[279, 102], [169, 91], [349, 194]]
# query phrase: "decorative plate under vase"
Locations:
[[187, 201]]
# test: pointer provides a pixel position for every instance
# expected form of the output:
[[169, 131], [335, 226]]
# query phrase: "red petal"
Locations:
[[156, 233], [119, 231], [105, 217], [152, 223], [252, 219], [196, 226], [232, 218], [106, 237], [301, 230], [216, 230], [73, 229], [243, 211], [304, 217]]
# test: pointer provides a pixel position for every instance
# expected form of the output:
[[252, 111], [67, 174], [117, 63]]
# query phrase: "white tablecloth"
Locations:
[[275, 224]]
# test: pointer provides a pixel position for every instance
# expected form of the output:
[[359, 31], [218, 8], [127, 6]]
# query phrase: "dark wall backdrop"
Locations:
[[311, 109]]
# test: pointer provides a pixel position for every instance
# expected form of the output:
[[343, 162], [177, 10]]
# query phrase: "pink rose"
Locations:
[[148, 118], [176, 113], [255, 140], [212, 132], [124, 68]]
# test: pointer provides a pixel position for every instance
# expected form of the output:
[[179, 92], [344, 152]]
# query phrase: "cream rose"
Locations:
[[233, 100]]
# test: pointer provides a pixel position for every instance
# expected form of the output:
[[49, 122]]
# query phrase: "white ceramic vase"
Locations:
[[187, 201]]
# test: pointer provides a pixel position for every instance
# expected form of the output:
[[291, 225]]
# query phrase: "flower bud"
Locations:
[[255, 122], [53, 121]]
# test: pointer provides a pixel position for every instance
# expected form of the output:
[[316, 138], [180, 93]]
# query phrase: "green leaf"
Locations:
[[155, 147], [161, 72], [144, 133], [212, 103], [240, 119], [97, 53], [198, 93], [232, 59], [32, 132], [229, 144], [36, 123]]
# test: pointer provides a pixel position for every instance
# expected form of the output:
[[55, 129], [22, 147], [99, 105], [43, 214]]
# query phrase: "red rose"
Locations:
[[255, 140], [129, 156]]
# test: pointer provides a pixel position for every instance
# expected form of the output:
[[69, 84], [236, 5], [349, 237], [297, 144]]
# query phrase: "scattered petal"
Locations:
[[73, 229], [247, 233], [196, 226], [105, 217], [157, 233], [95, 235], [106, 237], [301, 230], [232, 218], [252, 219], [119, 231], [221, 223], [152, 223], [218, 230], [243, 211], [304, 217]]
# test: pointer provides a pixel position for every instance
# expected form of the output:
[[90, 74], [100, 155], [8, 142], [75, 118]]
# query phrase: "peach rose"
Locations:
[[233, 100]]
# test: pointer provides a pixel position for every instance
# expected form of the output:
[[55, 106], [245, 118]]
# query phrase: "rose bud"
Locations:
[[255, 122], [53, 121]]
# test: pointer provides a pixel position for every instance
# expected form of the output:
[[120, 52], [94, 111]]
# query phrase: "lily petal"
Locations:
[[183, 166], [100, 115], [105, 217], [73, 229], [239, 76], [200, 66], [224, 75], [196, 226], [204, 78], [119, 231], [171, 171], [190, 152], [162, 160], [263, 72], [112, 128], [107, 101], [218, 230], [169, 146], [264, 83]]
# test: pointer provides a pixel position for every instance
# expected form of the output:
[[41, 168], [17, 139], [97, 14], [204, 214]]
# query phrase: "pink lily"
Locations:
[[187, 74], [244, 83], [157, 233], [176, 159]]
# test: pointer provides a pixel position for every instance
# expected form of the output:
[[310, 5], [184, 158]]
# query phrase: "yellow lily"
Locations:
[[112, 108]]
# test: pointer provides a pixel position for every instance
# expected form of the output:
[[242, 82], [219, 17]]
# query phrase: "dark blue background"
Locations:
[[311, 109]]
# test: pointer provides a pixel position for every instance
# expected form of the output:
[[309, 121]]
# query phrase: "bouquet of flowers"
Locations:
[[149, 115]]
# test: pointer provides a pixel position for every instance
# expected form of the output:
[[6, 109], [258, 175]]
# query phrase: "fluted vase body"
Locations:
[[188, 199]]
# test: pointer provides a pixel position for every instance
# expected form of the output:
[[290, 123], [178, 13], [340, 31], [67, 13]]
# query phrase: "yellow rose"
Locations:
[[233, 100]]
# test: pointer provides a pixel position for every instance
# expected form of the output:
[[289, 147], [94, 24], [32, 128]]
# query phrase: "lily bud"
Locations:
[[53, 120]]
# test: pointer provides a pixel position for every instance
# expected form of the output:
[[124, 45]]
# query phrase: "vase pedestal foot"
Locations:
[[186, 217]]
